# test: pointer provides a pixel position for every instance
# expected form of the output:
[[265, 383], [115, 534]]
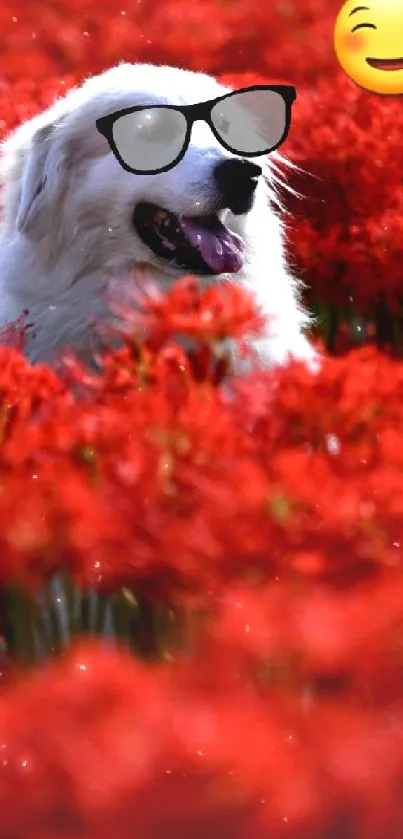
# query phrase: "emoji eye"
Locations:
[[364, 26]]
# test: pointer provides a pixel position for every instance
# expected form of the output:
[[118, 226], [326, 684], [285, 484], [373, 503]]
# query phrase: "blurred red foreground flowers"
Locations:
[[246, 542], [201, 590]]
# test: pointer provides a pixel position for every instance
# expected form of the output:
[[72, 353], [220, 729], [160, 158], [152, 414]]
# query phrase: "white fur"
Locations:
[[66, 234]]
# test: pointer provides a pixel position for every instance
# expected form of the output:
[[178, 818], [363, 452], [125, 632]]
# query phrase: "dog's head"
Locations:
[[66, 191]]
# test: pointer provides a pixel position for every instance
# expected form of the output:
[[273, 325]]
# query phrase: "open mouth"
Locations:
[[199, 244], [386, 63]]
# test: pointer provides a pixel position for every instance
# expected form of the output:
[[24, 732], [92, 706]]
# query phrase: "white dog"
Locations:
[[75, 223]]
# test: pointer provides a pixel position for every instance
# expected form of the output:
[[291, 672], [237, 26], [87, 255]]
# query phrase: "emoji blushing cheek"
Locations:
[[353, 43]]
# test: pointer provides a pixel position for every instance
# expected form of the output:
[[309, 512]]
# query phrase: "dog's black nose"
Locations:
[[237, 181]]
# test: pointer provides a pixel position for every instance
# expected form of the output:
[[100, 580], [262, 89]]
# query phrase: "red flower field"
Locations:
[[230, 659]]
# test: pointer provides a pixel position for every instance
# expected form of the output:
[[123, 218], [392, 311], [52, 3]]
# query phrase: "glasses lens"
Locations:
[[151, 138], [252, 121]]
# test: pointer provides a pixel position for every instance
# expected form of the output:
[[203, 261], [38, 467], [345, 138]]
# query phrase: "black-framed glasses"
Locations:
[[148, 139]]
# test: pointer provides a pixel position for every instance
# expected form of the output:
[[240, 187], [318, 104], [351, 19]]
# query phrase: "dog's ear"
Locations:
[[43, 179]]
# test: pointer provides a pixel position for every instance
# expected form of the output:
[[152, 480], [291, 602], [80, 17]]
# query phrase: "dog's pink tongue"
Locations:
[[221, 250]]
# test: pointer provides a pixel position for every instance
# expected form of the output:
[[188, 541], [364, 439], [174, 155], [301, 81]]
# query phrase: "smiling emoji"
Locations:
[[368, 39]]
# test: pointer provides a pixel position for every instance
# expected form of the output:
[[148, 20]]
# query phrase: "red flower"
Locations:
[[206, 315], [347, 229], [111, 738]]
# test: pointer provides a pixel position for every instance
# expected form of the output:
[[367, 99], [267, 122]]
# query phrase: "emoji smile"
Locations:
[[385, 63]]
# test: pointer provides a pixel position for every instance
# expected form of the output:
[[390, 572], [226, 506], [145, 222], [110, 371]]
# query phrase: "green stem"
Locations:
[[101, 614], [56, 632], [146, 636], [85, 613], [121, 618], [70, 595], [21, 628], [43, 642]]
